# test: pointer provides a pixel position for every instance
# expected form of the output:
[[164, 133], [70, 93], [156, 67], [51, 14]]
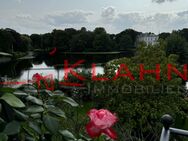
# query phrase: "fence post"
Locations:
[[167, 121]]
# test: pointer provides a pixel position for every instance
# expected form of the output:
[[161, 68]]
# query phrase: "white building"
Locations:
[[148, 38]]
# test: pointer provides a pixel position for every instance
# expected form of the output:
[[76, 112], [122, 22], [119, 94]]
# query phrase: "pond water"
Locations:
[[43, 69], [23, 70]]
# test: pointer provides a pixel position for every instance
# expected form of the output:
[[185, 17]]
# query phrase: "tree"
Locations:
[[17, 42], [6, 41], [99, 30], [177, 45], [164, 35], [47, 41], [61, 40], [12, 41], [184, 33], [140, 103], [130, 32], [102, 40], [36, 41], [125, 42], [82, 41], [26, 43]]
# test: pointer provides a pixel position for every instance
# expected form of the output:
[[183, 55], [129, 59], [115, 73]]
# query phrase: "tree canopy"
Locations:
[[141, 103], [83, 40]]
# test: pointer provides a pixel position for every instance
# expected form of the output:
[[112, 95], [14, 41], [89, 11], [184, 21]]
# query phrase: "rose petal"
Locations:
[[92, 114], [38, 84], [92, 130], [110, 132], [102, 118], [37, 77], [107, 118]]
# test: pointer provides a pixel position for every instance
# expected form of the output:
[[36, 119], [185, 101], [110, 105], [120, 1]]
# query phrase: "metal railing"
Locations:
[[167, 121]]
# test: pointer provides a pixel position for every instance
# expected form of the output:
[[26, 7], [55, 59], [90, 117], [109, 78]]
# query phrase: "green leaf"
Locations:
[[35, 109], [3, 137], [67, 135], [51, 123], [20, 93], [12, 100], [6, 90], [29, 88], [48, 92], [85, 138], [35, 116], [35, 127], [70, 101], [57, 111], [34, 100], [58, 92], [102, 138], [28, 129], [12, 128], [21, 115]]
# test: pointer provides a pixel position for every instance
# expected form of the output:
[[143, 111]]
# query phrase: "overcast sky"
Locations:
[[41, 16]]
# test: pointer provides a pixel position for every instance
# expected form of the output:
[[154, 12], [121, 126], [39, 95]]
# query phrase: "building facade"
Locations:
[[148, 38]]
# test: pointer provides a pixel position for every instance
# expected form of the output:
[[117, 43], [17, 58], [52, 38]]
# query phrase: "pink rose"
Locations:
[[101, 122]]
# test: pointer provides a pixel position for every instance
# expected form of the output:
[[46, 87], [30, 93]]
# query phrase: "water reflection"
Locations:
[[14, 69], [44, 69], [23, 70]]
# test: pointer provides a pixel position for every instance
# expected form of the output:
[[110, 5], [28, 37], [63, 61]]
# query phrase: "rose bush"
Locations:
[[36, 79], [47, 80]]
